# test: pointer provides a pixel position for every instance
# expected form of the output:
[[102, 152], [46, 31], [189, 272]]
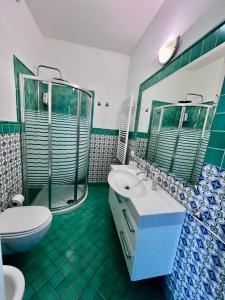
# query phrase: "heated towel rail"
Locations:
[[125, 115]]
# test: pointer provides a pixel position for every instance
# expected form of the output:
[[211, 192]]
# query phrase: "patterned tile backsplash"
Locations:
[[102, 155], [10, 167], [198, 271]]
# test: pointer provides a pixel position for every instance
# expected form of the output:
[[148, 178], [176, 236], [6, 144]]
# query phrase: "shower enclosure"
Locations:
[[55, 133], [178, 139]]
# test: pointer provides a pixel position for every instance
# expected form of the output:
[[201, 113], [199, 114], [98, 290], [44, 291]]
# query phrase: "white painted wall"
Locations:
[[190, 19], [103, 71], [19, 35]]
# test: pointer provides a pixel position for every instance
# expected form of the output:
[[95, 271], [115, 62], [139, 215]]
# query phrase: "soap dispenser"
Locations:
[[154, 183]]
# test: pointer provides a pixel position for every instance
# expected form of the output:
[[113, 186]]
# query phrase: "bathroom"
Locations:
[[112, 149]]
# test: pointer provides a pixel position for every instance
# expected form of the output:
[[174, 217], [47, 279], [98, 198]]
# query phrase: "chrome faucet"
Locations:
[[146, 172]]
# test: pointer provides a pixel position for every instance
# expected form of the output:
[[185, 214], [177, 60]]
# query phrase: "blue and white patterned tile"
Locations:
[[10, 166], [203, 268], [102, 155], [199, 267]]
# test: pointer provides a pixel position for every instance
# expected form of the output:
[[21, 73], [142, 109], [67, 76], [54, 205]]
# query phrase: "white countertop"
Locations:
[[157, 204]]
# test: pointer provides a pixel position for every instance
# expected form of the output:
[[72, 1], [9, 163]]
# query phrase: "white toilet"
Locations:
[[23, 227], [14, 283]]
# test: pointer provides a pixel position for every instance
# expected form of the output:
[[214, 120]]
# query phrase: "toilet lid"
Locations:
[[23, 219]]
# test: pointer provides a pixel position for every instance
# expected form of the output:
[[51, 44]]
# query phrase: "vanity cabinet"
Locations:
[[149, 242]]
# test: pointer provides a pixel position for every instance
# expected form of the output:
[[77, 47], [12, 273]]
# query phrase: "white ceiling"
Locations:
[[114, 25]]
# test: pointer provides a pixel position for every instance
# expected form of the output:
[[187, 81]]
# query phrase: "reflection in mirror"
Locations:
[[178, 139], [177, 133]]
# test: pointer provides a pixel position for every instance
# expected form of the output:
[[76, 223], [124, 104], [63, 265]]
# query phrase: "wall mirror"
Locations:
[[175, 114]]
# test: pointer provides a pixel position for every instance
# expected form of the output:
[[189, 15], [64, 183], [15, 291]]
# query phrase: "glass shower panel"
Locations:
[[204, 123], [192, 143], [188, 143], [153, 135], [84, 137], [64, 138], [167, 138], [35, 142]]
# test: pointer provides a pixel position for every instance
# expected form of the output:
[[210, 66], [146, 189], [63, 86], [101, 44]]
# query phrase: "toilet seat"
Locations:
[[24, 220]]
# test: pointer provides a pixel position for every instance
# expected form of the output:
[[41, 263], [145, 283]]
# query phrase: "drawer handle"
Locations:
[[124, 245], [129, 224], [118, 198]]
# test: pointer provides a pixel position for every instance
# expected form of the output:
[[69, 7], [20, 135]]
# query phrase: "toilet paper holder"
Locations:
[[15, 200]]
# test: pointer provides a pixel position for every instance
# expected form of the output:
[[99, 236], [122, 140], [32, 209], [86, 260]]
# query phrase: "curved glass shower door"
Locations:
[[70, 134], [56, 122]]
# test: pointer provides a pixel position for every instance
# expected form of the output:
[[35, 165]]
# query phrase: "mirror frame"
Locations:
[[206, 43]]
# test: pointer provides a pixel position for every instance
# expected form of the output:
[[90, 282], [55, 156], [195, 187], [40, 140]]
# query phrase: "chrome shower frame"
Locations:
[[181, 120], [50, 82]]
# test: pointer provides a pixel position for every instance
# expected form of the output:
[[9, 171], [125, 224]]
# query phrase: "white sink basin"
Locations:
[[14, 283], [126, 184]]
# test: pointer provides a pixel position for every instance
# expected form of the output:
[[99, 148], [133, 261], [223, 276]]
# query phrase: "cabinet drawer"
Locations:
[[122, 214], [130, 225], [127, 250], [126, 246]]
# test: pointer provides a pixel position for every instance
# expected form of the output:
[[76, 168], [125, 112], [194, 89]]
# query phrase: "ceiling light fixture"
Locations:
[[168, 50]]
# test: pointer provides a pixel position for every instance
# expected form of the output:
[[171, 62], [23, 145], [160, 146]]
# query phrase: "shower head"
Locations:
[[188, 101], [184, 101]]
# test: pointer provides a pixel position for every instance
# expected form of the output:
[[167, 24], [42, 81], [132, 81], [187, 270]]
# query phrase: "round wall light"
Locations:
[[168, 50]]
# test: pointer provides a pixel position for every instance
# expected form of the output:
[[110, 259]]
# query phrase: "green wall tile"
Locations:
[[196, 50], [223, 89], [219, 122], [223, 162], [169, 70], [185, 58], [19, 68], [102, 131], [221, 105], [132, 135], [221, 35], [210, 41], [9, 127], [176, 63], [217, 140], [143, 135], [214, 157]]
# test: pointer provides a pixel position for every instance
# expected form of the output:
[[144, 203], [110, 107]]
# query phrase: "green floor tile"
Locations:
[[98, 297], [38, 282], [81, 282], [29, 292], [65, 268], [50, 270], [81, 258], [56, 279], [71, 293], [88, 273], [88, 293], [47, 292], [96, 281]]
